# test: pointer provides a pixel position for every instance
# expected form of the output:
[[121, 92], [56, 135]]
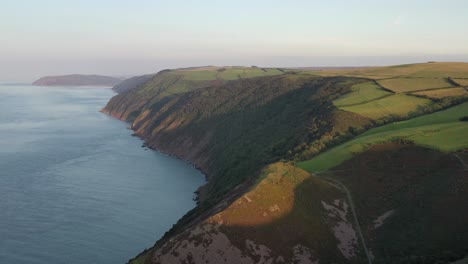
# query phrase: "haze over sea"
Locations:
[[75, 187]]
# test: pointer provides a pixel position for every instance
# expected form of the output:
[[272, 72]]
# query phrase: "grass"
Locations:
[[428, 70], [201, 75], [426, 190], [139, 260], [441, 130], [404, 85], [398, 104], [462, 82], [225, 73], [361, 93], [442, 93], [236, 73], [298, 197]]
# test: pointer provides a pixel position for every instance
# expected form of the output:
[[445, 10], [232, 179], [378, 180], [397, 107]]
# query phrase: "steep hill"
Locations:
[[172, 82], [77, 80], [349, 203], [131, 83], [219, 126]]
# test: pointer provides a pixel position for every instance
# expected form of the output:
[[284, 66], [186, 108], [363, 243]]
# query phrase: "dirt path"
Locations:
[[461, 161], [353, 211]]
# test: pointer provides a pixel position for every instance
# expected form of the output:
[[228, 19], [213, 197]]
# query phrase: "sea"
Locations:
[[75, 186]]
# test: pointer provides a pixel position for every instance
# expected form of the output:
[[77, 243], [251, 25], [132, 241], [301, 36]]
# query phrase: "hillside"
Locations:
[[218, 126], [131, 83], [77, 80], [172, 82], [311, 166]]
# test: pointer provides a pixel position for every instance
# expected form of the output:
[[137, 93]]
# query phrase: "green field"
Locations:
[[442, 93], [225, 73], [361, 93], [404, 85], [441, 130], [398, 104], [236, 73], [427, 70]]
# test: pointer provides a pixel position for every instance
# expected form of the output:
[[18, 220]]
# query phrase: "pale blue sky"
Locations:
[[132, 37]]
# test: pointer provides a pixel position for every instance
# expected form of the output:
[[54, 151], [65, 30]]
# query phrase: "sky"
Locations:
[[125, 38]]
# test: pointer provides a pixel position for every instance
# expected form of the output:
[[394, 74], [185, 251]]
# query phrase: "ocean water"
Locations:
[[75, 187]]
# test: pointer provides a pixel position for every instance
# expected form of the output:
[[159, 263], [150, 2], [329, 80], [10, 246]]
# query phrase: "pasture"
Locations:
[[361, 93], [441, 130], [398, 104], [405, 85], [442, 93]]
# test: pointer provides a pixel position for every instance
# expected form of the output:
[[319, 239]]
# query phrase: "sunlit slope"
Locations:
[[362, 93], [289, 216], [441, 130]]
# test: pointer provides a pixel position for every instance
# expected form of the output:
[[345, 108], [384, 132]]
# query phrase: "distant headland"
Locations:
[[77, 80]]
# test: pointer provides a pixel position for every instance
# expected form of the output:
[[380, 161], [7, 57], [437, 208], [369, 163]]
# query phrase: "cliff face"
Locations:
[[77, 80], [232, 129], [255, 121], [258, 207]]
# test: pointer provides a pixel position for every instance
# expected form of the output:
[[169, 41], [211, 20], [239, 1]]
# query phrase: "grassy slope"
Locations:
[[441, 130], [443, 93], [282, 211], [403, 85], [428, 70], [462, 82], [405, 81], [172, 82], [298, 197], [233, 129], [395, 105], [250, 133], [361, 93]]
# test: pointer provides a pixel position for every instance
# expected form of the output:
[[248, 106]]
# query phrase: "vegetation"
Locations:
[[418, 194], [394, 106], [148, 92], [243, 125], [77, 80], [461, 82], [440, 130], [131, 83], [299, 197], [443, 93], [404, 85], [420, 89], [419, 70], [361, 93], [232, 126]]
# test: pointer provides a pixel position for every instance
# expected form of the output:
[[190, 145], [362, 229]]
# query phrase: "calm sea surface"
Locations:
[[75, 187]]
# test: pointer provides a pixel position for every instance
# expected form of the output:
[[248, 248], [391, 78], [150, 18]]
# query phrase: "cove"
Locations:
[[75, 187]]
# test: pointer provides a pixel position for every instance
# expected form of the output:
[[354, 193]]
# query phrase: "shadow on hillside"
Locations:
[[427, 189]]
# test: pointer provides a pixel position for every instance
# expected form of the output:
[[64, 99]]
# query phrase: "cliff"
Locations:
[[247, 127], [77, 80]]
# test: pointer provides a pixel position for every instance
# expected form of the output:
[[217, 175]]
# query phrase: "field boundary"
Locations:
[[368, 101]]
